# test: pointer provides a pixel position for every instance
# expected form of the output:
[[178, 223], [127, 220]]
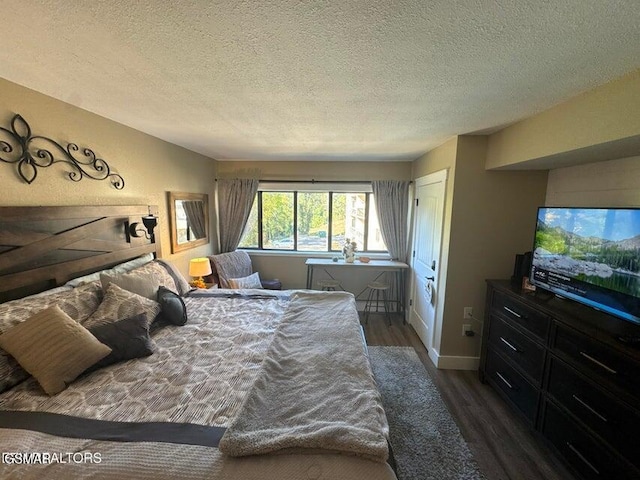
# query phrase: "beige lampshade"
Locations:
[[199, 267]]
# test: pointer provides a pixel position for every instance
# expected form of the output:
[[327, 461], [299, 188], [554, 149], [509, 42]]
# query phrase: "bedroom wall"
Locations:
[[290, 268], [489, 217], [601, 124], [149, 166], [614, 183], [440, 158]]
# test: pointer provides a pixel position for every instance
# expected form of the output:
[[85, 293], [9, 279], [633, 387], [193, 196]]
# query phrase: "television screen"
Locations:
[[591, 255]]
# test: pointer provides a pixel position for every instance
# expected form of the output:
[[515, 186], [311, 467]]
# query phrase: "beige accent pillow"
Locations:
[[118, 304], [53, 347], [252, 281], [144, 285]]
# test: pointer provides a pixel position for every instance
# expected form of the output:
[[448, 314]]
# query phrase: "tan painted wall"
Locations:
[[489, 217], [603, 123], [441, 158], [493, 218], [615, 183], [150, 167], [290, 268]]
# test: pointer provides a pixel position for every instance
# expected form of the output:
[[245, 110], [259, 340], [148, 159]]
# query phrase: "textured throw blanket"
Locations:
[[315, 389]]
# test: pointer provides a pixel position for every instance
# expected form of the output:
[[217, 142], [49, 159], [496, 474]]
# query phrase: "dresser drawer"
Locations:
[[513, 385], [612, 420], [593, 357], [519, 349], [590, 458], [523, 315]]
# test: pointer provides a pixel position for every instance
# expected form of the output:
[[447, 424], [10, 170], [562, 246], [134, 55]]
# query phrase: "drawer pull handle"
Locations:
[[588, 407], [512, 312], [504, 380], [509, 345], [600, 364], [582, 457]]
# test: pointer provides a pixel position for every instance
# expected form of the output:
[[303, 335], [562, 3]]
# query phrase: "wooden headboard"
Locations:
[[44, 247]]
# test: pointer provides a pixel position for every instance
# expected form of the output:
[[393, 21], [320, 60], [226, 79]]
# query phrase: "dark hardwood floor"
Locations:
[[504, 447]]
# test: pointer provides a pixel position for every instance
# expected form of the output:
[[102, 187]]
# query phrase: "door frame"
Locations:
[[435, 177]]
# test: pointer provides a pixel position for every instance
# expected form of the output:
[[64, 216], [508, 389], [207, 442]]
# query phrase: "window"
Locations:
[[312, 220]]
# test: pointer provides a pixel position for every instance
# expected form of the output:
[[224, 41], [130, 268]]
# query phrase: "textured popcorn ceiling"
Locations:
[[316, 80]]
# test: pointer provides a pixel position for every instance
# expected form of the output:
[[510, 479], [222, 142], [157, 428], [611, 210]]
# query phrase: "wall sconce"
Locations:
[[136, 230]]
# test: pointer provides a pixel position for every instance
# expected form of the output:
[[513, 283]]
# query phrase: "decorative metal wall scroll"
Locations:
[[33, 152]]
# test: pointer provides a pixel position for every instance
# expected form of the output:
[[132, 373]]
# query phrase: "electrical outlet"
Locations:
[[465, 329], [468, 312]]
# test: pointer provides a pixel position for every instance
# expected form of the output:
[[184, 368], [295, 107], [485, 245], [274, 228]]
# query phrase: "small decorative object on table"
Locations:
[[198, 268], [364, 259], [349, 251]]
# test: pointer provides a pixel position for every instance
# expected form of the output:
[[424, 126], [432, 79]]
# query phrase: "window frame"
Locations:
[[328, 188]]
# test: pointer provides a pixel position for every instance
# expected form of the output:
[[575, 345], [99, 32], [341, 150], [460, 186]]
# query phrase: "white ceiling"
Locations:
[[317, 80]]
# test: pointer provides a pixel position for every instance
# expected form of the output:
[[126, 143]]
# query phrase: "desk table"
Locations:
[[375, 265]]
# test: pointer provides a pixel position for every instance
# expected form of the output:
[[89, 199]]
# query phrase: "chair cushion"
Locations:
[[232, 265], [251, 281], [274, 284]]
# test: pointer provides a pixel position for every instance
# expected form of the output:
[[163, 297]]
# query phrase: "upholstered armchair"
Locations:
[[235, 265]]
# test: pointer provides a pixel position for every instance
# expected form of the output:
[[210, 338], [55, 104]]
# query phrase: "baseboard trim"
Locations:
[[449, 362]]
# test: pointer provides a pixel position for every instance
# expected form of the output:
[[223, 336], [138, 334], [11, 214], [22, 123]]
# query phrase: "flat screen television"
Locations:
[[590, 255]]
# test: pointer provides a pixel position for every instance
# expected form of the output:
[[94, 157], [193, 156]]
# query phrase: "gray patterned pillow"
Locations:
[[182, 285], [79, 303], [118, 304], [157, 270], [143, 285]]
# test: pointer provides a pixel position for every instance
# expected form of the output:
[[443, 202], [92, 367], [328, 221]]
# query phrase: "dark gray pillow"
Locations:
[[172, 307], [128, 338]]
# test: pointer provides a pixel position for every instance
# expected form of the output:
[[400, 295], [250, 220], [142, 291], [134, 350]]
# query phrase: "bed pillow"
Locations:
[[11, 373], [120, 268], [53, 347], [119, 303], [79, 303], [172, 306], [252, 281], [182, 286], [144, 285], [127, 338], [157, 270]]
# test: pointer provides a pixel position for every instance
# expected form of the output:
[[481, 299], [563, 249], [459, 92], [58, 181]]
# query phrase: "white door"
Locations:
[[427, 239]]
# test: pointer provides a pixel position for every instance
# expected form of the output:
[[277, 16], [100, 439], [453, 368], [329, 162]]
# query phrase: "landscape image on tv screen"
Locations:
[[591, 255]]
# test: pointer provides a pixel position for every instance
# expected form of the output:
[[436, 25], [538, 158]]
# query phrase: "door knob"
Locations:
[[430, 278]]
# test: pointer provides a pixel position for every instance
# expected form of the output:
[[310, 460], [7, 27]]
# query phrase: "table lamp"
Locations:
[[199, 267]]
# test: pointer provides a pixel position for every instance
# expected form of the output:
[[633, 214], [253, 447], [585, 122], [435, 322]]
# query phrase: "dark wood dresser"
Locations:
[[571, 373]]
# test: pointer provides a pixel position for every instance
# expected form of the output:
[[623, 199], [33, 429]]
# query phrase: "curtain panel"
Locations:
[[392, 206], [235, 198], [195, 218]]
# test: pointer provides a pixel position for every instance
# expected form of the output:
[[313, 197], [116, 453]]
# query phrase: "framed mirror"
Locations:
[[189, 215]]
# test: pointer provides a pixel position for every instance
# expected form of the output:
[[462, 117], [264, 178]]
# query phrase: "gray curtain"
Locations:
[[392, 206], [195, 217], [235, 198]]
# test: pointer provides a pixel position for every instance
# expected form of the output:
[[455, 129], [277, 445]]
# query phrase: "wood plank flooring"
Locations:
[[503, 445]]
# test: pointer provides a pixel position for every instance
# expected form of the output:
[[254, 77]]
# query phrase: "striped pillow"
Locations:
[[53, 347]]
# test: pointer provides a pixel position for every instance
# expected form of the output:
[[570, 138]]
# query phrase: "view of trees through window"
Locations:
[[312, 221]]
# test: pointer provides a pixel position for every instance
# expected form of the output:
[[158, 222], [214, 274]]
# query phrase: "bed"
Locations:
[[256, 384]]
